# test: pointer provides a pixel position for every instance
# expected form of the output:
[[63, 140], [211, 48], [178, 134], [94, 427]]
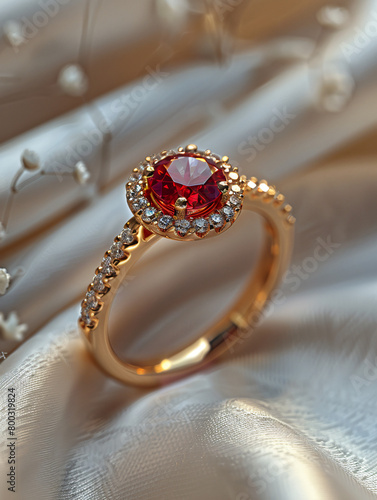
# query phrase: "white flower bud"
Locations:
[[81, 173], [13, 33], [331, 16], [4, 280], [30, 160], [73, 81], [10, 328]]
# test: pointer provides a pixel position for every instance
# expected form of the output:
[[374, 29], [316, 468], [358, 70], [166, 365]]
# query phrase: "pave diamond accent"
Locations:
[[107, 267], [165, 221], [134, 191], [234, 200], [91, 300], [134, 177], [217, 220], [126, 236], [201, 225], [182, 226], [98, 284], [139, 203], [228, 213], [149, 214], [116, 250], [85, 316]]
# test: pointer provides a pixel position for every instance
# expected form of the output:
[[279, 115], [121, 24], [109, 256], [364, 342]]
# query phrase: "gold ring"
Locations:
[[187, 194]]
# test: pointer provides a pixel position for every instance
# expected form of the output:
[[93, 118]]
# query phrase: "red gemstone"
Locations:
[[188, 176]]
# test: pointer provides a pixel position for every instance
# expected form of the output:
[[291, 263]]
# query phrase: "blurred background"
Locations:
[[288, 90]]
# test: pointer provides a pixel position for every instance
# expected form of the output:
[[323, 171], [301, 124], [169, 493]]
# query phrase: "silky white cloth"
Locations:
[[292, 417], [291, 414]]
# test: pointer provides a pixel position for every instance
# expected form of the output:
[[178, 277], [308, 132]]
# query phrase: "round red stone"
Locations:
[[188, 176]]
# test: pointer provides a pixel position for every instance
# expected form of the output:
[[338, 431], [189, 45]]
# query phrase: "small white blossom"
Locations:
[[10, 328], [336, 89], [13, 33], [30, 160], [331, 16], [81, 173], [4, 280], [72, 80]]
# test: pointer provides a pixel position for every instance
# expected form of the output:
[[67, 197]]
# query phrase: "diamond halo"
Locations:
[[185, 193]]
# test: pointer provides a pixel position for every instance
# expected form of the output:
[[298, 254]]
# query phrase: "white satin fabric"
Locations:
[[292, 413]]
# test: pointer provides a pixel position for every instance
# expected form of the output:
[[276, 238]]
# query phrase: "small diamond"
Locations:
[[139, 203], [107, 268], [234, 200], [217, 220], [201, 225], [126, 236], [182, 226], [85, 316], [116, 250], [156, 157], [91, 300], [98, 284], [134, 191], [165, 221], [134, 177], [149, 214], [228, 213]]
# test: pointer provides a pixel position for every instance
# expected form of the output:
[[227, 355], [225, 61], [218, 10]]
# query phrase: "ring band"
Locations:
[[186, 195]]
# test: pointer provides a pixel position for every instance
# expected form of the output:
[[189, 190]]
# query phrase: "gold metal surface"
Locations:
[[180, 208]]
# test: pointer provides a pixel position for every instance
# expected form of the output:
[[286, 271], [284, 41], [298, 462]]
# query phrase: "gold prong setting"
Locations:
[[269, 194], [182, 225]]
